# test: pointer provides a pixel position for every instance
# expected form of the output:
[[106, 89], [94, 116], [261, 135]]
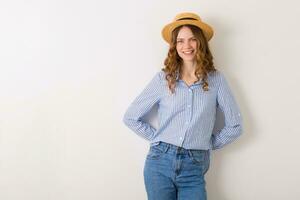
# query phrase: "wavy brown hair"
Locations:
[[204, 59]]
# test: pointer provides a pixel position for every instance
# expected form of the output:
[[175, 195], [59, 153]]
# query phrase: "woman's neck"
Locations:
[[188, 69]]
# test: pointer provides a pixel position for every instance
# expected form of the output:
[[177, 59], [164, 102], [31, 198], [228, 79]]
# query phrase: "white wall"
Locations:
[[69, 69]]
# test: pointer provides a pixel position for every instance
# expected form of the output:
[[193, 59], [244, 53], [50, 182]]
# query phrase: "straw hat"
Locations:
[[186, 18]]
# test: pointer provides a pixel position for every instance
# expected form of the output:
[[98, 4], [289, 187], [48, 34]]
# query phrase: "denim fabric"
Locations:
[[175, 173]]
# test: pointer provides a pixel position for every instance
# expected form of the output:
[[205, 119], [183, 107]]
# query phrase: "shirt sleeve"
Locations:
[[141, 105], [233, 119]]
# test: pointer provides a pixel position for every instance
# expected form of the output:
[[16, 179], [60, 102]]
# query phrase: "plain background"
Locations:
[[69, 70]]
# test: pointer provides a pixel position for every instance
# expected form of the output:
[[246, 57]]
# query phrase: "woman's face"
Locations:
[[186, 44]]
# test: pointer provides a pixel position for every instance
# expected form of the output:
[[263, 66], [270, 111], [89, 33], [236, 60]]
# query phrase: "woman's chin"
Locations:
[[188, 59]]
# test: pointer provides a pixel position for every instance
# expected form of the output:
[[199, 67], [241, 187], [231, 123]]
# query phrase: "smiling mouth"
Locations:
[[188, 52]]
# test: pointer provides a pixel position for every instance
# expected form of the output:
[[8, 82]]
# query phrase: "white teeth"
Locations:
[[187, 52]]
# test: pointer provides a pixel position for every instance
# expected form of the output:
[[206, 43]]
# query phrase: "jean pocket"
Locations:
[[198, 157], [155, 152]]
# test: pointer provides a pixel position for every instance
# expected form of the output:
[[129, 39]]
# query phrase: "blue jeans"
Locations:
[[175, 173]]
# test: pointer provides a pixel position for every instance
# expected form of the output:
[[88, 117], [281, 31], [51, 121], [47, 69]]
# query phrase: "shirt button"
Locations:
[[180, 138], [239, 114], [190, 90]]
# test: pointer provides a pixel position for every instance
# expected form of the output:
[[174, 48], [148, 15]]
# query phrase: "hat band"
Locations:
[[186, 18]]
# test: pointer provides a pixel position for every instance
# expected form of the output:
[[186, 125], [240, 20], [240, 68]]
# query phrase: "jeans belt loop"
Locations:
[[190, 153], [167, 147]]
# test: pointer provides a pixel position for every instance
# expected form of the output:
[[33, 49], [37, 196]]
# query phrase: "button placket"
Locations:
[[189, 112], [190, 102]]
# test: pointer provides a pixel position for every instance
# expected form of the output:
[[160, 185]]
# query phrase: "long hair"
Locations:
[[204, 59]]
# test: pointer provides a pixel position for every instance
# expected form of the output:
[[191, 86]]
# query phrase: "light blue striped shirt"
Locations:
[[186, 118]]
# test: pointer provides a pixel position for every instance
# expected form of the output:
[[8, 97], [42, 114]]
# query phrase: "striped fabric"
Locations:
[[186, 118]]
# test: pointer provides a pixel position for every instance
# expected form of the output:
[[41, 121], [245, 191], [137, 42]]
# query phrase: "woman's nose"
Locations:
[[186, 44]]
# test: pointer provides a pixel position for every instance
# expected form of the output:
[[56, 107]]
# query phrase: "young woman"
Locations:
[[187, 91]]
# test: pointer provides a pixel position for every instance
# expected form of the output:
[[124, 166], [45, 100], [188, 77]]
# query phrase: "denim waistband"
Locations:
[[173, 148]]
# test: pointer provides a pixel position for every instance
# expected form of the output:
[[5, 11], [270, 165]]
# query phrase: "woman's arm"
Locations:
[[233, 119], [141, 105]]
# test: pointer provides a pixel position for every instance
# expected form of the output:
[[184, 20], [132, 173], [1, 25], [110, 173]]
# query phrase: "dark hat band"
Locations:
[[186, 18]]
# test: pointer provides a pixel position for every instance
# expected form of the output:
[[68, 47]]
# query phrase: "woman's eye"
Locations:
[[179, 41]]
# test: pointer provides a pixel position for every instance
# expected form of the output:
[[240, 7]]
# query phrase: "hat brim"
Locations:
[[167, 30]]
